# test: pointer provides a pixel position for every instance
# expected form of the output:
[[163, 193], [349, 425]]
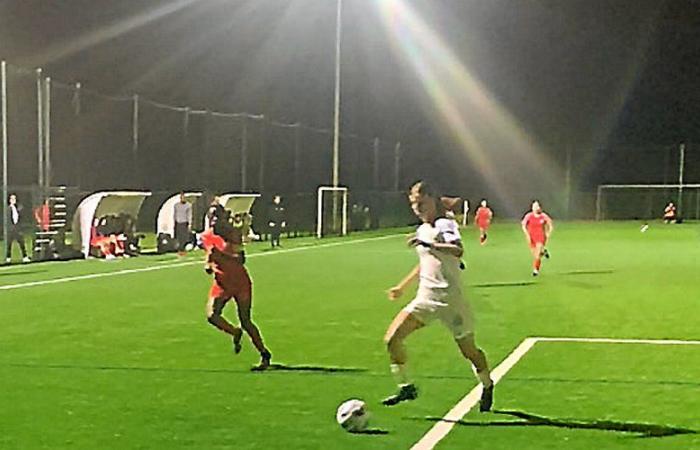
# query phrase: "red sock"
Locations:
[[538, 263]]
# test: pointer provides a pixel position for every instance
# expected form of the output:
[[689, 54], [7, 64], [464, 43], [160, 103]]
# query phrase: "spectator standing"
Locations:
[[14, 234], [276, 221], [182, 213]]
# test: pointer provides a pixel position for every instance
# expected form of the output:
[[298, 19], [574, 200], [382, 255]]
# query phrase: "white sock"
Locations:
[[400, 373]]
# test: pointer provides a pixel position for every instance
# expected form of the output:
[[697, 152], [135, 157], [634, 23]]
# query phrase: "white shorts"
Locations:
[[450, 307]]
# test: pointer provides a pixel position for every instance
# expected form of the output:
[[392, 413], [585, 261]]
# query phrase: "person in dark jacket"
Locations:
[[14, 232], [276, 221]]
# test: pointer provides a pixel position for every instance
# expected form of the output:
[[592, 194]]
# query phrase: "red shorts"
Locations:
[[537, 239], [233, 281], [484, 225]]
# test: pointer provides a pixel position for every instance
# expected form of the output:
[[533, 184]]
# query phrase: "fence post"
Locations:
[[375, 178], [397, 165], [77, 111], [297, 155], [47, 133], [681, 169], [184, 175], [40, 127], [244, 154], [261, 167], [3, 113]]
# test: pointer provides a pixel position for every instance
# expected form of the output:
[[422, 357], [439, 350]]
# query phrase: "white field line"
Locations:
[[441, 429], [618, 341], [161, 266]]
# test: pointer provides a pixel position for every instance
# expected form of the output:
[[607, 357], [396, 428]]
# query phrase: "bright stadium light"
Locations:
[[470, 111]]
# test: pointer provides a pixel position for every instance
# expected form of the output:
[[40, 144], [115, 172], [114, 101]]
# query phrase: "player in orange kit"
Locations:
[[538, 227], [225, 260], [483, 218]]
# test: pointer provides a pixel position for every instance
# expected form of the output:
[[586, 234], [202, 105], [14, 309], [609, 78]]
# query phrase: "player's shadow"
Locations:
[[310, 368], [642, 430], [371, 431], [588, 272], [271, 368], [21, 272], [503, 284], [582, 284]]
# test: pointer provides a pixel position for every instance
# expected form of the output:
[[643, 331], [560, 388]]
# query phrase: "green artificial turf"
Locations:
[[127, 360]]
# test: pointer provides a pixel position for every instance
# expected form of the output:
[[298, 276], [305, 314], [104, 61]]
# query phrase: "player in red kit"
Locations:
[[223, 243], [483, 218], [537, 226]]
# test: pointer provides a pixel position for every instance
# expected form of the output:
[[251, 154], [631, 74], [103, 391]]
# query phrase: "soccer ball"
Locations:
[[189, 247], [644, 228], [352, 415]]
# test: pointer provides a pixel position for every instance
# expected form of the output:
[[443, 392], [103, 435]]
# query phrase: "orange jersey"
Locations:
[[483, 215], [231, 278], [535, 225]]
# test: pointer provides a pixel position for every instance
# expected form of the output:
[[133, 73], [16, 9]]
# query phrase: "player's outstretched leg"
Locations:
[[253, 332], [536, 259], [215, 306], [478, 359], [402, 326]]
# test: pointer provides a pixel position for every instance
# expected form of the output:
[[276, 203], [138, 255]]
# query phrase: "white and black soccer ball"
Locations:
[[352, 415]]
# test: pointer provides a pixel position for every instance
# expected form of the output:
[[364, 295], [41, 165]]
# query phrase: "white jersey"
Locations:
[[438, 270]]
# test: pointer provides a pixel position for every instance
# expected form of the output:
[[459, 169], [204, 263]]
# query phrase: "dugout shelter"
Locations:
[[101, 204]]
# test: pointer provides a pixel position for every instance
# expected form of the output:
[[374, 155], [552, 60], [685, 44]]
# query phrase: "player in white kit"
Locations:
[[438, 244]]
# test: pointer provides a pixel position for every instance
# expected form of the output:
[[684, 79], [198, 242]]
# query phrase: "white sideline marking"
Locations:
[[161, 266], [618, 341], [441, 429]]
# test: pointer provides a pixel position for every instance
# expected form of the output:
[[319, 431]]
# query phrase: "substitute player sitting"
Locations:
[[437, 242], [538, 227], [670, 213], [483, 218], [223, 243]]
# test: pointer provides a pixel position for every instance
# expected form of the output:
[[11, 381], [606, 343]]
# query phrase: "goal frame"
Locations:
[[601, 187], [465, 209], [319, 209]]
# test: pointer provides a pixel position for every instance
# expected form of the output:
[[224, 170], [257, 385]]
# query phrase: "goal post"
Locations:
[[465, 214], [323, 213], [646, 201]]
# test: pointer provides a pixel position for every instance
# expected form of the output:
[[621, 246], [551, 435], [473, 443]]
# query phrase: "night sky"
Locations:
[[585, 76]]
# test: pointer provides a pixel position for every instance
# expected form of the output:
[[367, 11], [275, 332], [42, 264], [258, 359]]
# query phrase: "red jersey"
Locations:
[[483, 215], [535, 225], [231, 279], [211, 241]]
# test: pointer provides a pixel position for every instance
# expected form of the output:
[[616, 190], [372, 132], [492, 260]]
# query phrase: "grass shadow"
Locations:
[[22, 272], [503, 284], [309, 368], [371, 431], [272, 368], [588, 272], [642, 430], [605, 381]]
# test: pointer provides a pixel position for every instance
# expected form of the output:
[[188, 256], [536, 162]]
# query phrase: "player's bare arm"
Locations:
[[397, 291], [549, 228]]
